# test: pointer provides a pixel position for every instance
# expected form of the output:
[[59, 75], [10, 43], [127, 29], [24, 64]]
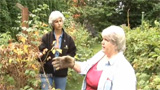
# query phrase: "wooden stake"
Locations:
[[25, 17]]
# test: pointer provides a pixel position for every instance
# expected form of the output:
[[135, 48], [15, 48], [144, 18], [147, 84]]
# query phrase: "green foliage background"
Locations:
[[95, 14], [143, 38], [143, 51], [102, 13]]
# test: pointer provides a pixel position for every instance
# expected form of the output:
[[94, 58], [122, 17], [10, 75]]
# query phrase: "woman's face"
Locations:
[[107, 47], [58, 24]]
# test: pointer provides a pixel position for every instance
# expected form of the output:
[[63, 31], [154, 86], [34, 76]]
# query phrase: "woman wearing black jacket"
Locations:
[[54, 44]]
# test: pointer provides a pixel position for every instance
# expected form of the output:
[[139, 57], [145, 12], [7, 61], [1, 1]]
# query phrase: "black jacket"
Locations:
[[68, 48]]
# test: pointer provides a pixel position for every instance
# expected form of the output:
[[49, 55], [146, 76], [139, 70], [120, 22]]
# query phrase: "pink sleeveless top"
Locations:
[[92, 78]]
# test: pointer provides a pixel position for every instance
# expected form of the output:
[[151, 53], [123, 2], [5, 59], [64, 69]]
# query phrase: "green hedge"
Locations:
[[143, 51]]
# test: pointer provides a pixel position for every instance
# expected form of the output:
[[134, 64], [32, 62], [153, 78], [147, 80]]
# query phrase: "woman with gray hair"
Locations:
[[106, 70], [55, 40]]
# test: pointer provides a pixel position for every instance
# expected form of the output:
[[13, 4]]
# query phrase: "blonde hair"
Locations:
[[116, 36], [54, 15]]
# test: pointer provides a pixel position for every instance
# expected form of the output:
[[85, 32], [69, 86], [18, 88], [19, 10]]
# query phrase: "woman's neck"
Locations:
[[111, 54], [58, 32]]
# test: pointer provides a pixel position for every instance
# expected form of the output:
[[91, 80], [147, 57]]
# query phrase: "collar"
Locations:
[[115, 58]]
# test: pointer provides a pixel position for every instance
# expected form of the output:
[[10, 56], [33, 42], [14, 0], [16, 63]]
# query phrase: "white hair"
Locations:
[[116, 36], [54, 15]]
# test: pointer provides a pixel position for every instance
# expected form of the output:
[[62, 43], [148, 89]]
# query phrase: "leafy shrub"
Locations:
[[18, 62], [18, 66], [81, 36], [4, 38], [143, 51]]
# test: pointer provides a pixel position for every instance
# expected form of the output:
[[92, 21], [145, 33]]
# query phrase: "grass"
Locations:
[[77, 84], [96, 47]]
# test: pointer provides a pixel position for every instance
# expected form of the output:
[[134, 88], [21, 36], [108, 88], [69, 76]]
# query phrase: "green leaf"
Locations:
[[26, 87], [1, 66], [27, 72], [157, 50], [53, 51]]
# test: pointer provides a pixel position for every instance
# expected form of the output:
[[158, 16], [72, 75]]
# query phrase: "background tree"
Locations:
[[95, 14], [9, 12], [102, 13], [5, 19]]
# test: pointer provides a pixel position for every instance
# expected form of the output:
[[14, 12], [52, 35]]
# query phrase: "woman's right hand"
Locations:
[[63, 62]]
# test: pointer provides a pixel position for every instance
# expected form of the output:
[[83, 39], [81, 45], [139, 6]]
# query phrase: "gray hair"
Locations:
[[116, 36], [54, 15]]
